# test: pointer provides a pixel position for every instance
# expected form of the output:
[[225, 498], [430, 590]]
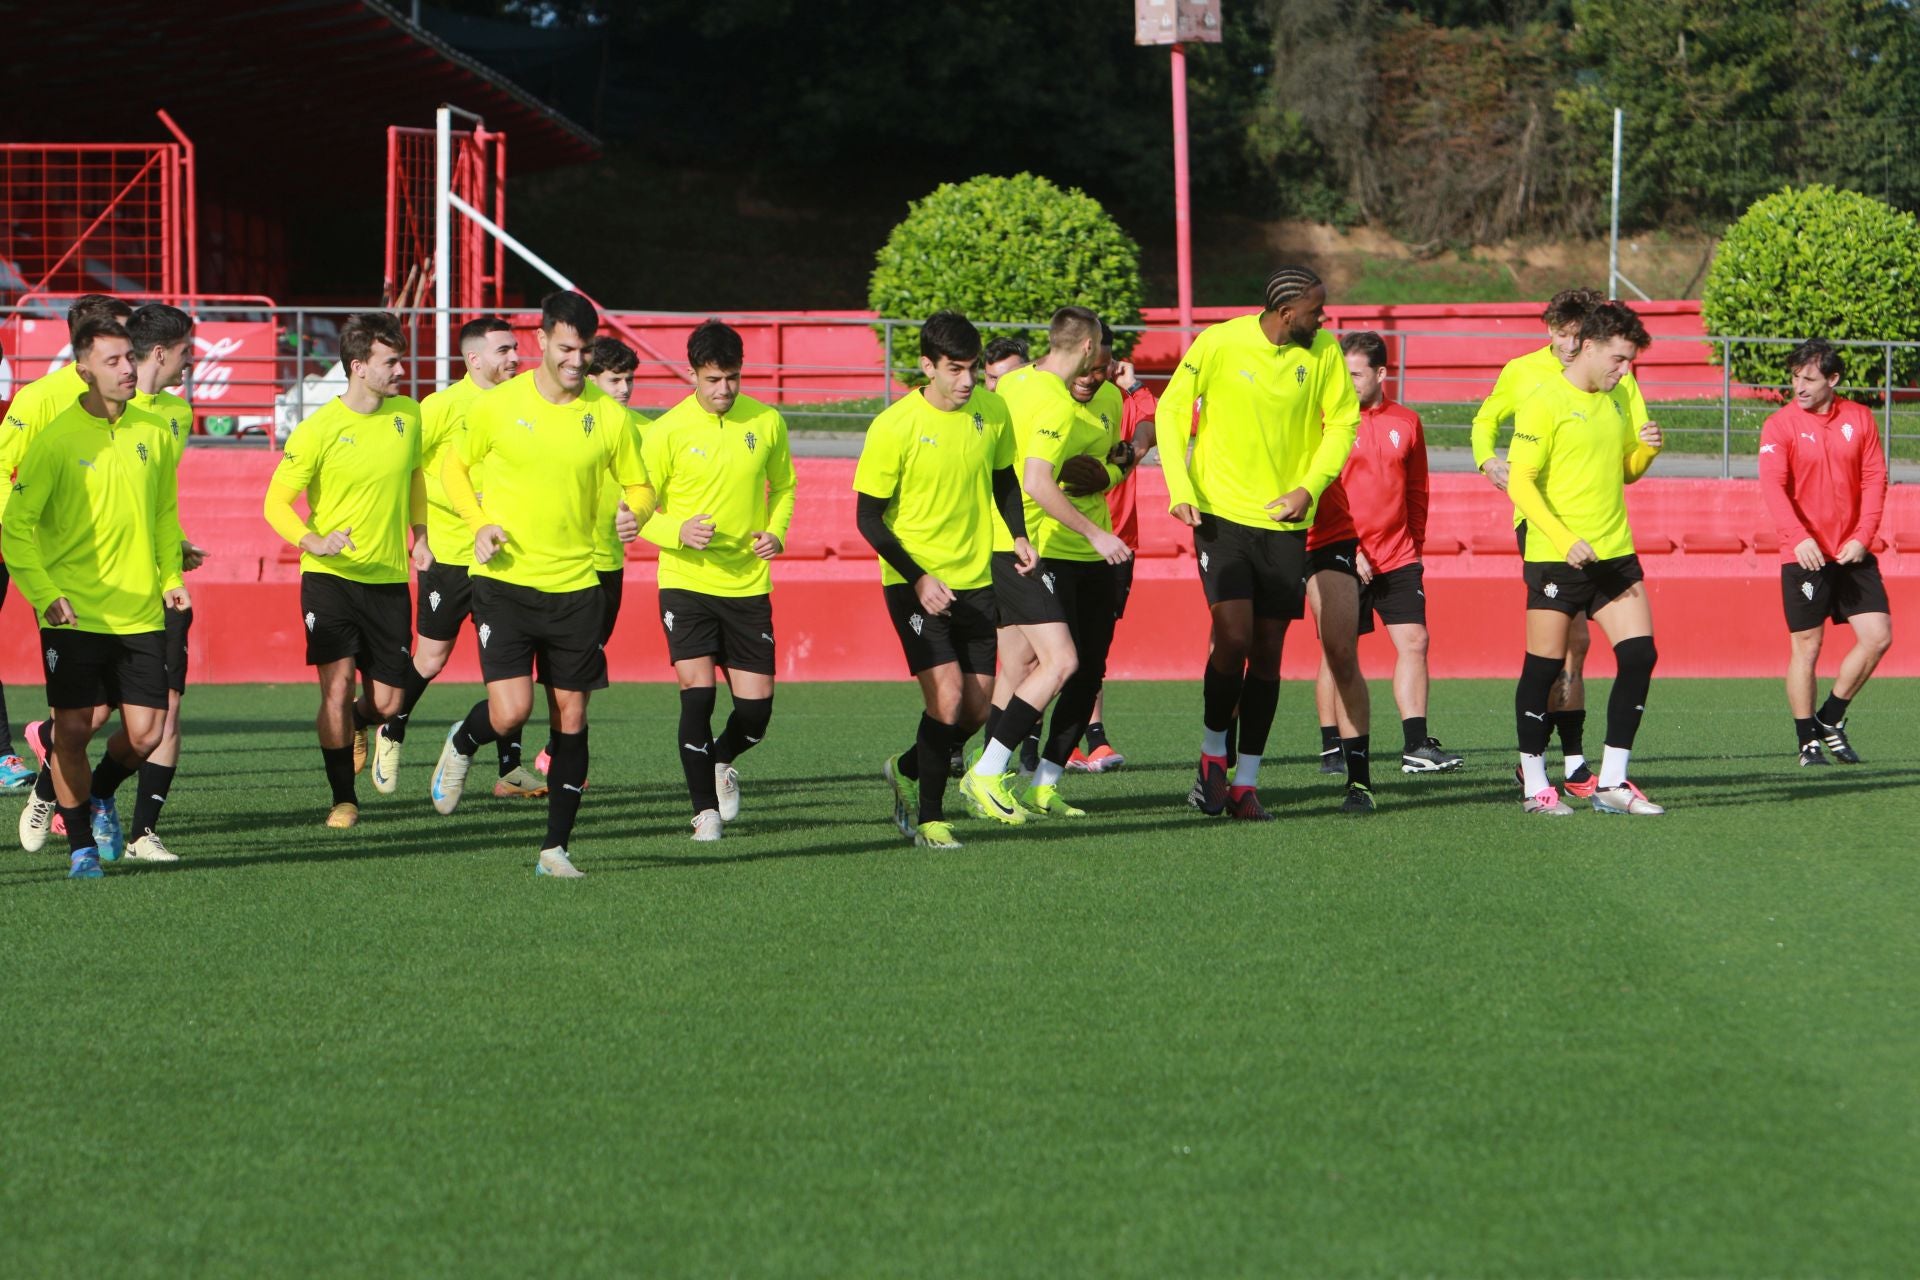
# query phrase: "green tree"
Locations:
[[1003, 249], [1816, 262]]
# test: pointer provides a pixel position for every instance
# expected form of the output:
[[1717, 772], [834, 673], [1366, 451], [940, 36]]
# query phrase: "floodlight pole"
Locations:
[[1613, 231], [442, 235], [1182, 204]]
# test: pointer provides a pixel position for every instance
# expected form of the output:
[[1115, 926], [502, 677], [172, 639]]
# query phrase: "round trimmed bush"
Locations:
[[1815, 262], [1006, 249]]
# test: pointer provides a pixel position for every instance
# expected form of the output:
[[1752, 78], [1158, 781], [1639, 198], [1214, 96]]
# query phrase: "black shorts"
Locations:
[[179, 622], [964, 635], [1836, 591], [613, 589], [735, 631], [1557, 585], [365, 621], [1024, 600], [561, 629], [1398, 596], [446, 601], [1122, 588], [89, 669], [1266, 566], [1086, 590], [1340, 557]]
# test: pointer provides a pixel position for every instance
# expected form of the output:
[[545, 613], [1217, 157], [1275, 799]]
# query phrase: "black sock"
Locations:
[[339, 762], [46, 738], [155, 781], [1017, 721], [566, 781], [1259, 699], [1413, 731], [696, 747], [476, 731], [907, 763], [411, 688], [933, 745], [1833, 712], [1220, 696], [108, 775], [43, 783], [1572, 727], [746, 727], [1358, 769], [1097, 736], [1805, 730], [79, 821], [1233, 741], [1329, 739], [508, 749], [993, 722]]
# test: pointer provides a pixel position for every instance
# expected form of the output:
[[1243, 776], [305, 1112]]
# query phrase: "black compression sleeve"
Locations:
[[870, 515], [1012, 502]]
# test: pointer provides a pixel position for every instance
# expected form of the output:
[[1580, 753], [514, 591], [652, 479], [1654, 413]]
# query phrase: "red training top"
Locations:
[[1823, 476], [1332, 521], [1385, 480], [1140, 406]]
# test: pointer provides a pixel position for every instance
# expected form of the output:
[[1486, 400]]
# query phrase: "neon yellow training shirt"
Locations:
[[33, 407], [1520, 378], [1573, 454], [443, 416], [1272, 420], [609, 553], [95, 518], [1049, 423], [173, 412], [736, 469], [545, 463], [937, 470], [357, 472]]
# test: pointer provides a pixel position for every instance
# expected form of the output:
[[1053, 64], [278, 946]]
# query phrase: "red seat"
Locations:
[[1766, 541], [855, 548], [801, 547], [1907, 540], [1495, 544], [1709, 544], [1441, 546], [1652, 544]]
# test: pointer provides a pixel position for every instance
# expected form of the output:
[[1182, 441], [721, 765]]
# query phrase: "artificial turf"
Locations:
[[1443, 1040]]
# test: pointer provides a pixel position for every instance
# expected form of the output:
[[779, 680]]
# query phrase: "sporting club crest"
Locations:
[[666, 619], [1551, 591], [1393, 438], [486, 634], [1300, 374], [751, 441], [309, 620], [53, 658], [433, 601], [918, 623], [586, 423], [1806, 589], [399, 425], [1846, 431]]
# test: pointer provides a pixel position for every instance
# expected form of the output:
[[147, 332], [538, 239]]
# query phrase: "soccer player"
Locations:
[[163, 348], [545, 439], [445, 591], [726, 483], [358, 460], [1825, 482], [610, 364], [1277, 420], [1333, 593], [93, 535], [1520, 378], [1575, 449], [1385, 483], [1136, 433], [1002, 357], [930, 470], [34, 406], [1063, 610]]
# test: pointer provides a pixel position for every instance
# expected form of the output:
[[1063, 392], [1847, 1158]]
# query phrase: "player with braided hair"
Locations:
[[1277, 418]]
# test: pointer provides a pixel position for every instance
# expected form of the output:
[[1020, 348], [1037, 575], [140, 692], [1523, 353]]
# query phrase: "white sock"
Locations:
[[1246, 770], [1533, 774], [1613, 766], [1047, 774], [993, 759], [1213, 742], [1573, 763]]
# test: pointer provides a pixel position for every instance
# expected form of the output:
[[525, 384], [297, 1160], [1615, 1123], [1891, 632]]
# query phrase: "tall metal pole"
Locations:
[[1613, 232], [442, 237], [1182, 210]]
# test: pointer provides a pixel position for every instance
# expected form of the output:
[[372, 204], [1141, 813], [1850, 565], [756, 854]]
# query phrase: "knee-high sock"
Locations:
[[476, 731], [1259, 699], [411, 690], [1530, 695], [696, 747], [1628, 701], [933, 745], [1220, 696], [155, 781], [339, 766], [746, 726], [566, 781], [1017, 720]]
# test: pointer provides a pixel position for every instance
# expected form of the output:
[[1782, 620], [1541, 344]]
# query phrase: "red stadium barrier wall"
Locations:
[[1710, 554]]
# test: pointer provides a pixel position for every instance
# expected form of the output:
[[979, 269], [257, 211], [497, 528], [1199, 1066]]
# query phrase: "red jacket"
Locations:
[[1140, 406], [1823, 476], [1381, 496]]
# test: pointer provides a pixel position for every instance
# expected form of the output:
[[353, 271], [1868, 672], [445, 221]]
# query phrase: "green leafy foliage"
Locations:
[[1004, 249], [1816, 262]]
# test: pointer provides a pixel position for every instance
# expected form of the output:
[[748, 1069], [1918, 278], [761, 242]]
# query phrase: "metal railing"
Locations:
[[259, 370]]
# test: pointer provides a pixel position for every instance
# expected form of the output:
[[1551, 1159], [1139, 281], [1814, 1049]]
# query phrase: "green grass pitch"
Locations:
[[1445, 1040]]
